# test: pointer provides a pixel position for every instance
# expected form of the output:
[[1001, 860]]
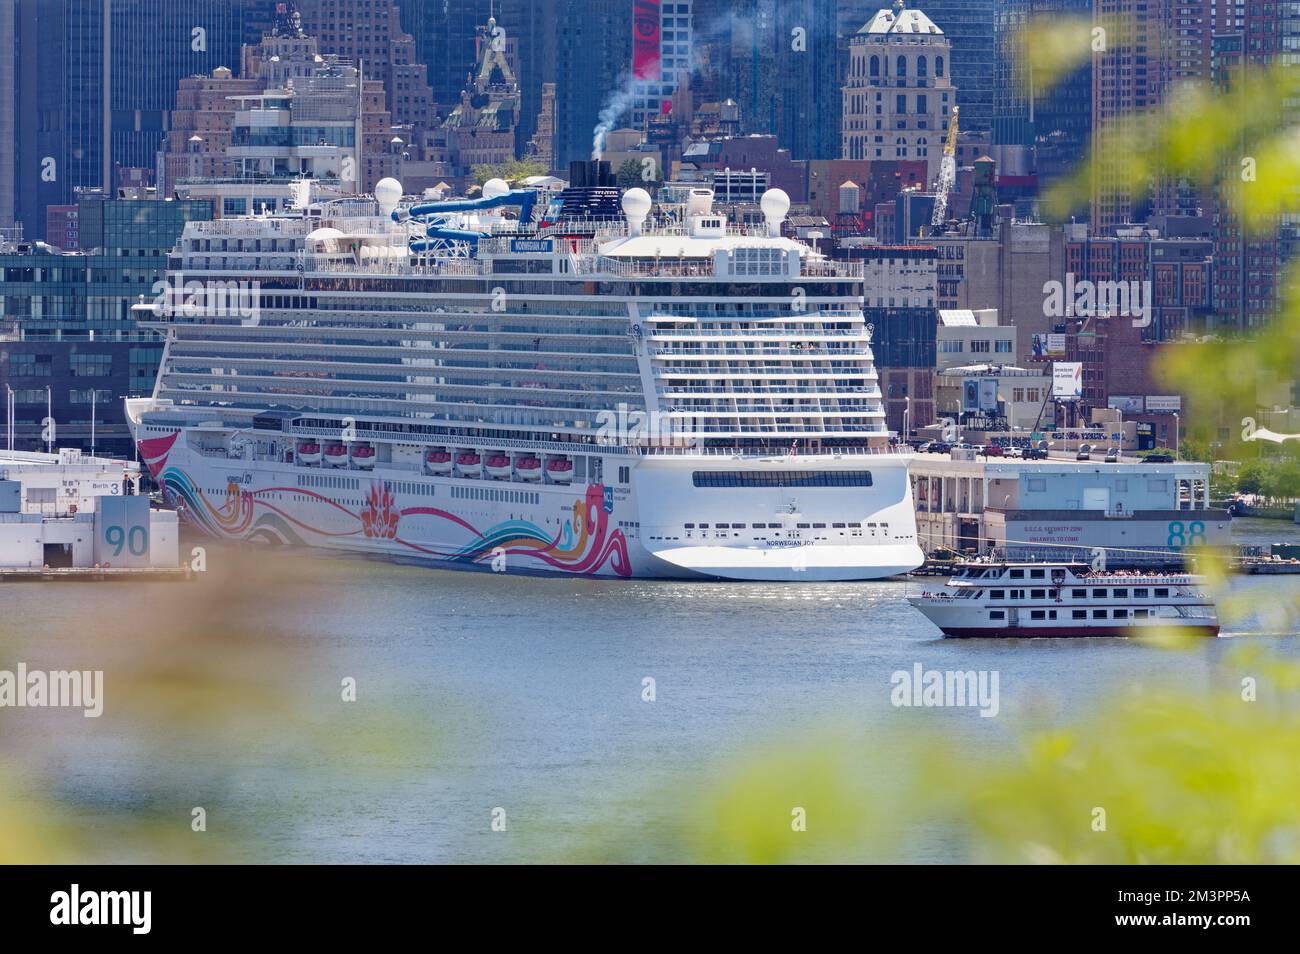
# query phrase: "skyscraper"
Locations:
[[968, 24], [593, 63], [8, 105], [94, 91], [1129, 75], [898, 95], [370, 34], [1248, 268], [1040, 131]]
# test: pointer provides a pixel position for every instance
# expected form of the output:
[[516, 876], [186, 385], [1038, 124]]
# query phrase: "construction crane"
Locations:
[[947, 174]]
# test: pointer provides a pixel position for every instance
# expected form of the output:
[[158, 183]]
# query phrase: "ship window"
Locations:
[[1121, 614], [1162, 592], [1141, 614], [1038, 594], [1141, 593], [837, 526], [1078, 594], [1121, 593], [781, 478], [1038, 614], [1017, 574], [997, 614], [1080, 614], [690, 526], [1099, 593], [1098, 614], [997, 594], [1037, 575], [816, 526], [1051, 614]]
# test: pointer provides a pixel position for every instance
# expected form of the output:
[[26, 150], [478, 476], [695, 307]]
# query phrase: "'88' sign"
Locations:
[[1184, 535]]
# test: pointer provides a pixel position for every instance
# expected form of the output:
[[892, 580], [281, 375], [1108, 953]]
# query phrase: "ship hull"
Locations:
[[649, 522], [1071, 632]]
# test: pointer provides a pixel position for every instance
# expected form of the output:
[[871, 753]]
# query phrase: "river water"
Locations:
[[482, 697]]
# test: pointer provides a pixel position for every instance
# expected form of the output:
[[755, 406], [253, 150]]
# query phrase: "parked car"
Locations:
[[994, 450], [1085, 452], [1034, 453], [1158, 459], [939, 447], [1112, 455]]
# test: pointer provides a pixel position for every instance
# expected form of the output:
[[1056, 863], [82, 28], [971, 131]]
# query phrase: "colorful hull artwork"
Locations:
[[586, 543]]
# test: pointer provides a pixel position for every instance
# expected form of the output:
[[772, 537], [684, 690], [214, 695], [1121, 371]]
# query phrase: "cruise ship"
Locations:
[[540, 380], [1000, 600]]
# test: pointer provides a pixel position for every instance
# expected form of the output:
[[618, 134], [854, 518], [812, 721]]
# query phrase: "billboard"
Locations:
[[979, 395], [1164, 402], [1067, 379], [989, 395], [645, 40], [1126, 404], [1049, 346]]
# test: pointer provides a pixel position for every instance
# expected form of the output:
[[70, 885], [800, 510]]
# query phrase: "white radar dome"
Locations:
[[495, 188], [636, 206], [388, 192], [636, 203], [775, 204]]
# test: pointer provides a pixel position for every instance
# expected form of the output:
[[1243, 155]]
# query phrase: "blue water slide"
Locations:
[[525, 199]]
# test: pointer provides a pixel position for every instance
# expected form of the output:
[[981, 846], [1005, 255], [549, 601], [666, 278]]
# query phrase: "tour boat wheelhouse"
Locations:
[[1066, 599]]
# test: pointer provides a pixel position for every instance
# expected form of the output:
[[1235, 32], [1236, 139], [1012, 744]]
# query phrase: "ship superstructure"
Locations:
[[489, 382]]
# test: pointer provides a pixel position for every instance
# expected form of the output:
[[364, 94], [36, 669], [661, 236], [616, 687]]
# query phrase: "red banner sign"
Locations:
[[645, 40]]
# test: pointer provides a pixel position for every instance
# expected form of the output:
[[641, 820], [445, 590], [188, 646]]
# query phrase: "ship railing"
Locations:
[[672, 267], [733, 230], [765, 452], [675, 334], [589, 445], [674, 370], [422, 265], [744, 355], [772, 389]]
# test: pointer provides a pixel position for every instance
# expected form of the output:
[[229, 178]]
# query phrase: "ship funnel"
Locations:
[[699, 202], [636, 206], [775, 204]]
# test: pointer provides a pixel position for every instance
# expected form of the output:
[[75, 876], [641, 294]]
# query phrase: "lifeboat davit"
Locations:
[[469, 464], [363, 456], [309, 453], [336, 455], [497, 465], [560, 471], [437, 462], [529, 468]]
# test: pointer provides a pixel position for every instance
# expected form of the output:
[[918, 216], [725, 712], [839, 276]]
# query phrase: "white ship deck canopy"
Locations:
[[690, 246]]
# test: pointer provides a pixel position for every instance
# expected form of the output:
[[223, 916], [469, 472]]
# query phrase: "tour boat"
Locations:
[[437, 462], [1067, 599], [469, 464], [560, 471]]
